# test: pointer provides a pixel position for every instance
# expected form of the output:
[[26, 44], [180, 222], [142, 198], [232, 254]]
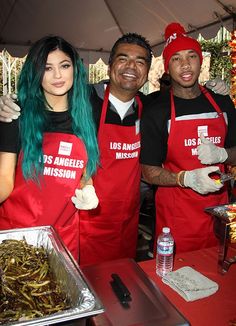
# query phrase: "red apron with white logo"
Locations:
[[49, 202], [110, 231], [182, 209]]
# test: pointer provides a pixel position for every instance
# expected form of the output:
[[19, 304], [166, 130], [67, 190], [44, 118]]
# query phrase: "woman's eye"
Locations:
[[66, 66]]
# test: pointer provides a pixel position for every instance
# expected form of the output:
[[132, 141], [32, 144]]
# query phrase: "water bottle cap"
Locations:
[[166, 230]]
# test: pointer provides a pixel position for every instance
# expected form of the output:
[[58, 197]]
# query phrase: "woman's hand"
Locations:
[[85, 198]]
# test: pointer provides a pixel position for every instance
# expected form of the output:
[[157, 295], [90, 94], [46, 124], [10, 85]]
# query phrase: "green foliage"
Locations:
[[220, 59], [1, 85]]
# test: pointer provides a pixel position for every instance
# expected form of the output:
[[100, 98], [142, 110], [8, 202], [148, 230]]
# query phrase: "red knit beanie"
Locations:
[[177, 40]]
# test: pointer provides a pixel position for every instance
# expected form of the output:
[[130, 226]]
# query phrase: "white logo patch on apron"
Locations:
[[65, 148], [202, 130]]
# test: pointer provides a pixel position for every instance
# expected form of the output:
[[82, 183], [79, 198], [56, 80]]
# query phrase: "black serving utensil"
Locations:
[[120, 290]]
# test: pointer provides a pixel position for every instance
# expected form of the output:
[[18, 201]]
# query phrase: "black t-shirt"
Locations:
[[61, 121], [9, 137], [156, 116], [9, 132]]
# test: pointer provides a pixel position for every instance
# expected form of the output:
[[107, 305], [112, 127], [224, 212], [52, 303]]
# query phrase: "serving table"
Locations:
[[218, 309]]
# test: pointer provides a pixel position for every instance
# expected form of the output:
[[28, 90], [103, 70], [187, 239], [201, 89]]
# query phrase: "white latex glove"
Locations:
[[85, 198], [199, 180], [209, 153], [8, 109], [218, 86]]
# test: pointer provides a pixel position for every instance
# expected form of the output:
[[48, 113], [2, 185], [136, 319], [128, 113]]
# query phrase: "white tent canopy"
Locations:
[[94, 25]]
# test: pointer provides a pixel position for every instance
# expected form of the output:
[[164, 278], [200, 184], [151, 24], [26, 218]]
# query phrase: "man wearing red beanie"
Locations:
[[183, 132], [176, 40]]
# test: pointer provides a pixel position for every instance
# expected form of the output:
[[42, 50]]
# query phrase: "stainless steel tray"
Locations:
[[147, 306], [224, 212], [84, 301], [225, 231]]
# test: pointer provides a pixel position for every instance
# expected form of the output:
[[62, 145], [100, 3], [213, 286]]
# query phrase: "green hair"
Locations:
[[32, 100]]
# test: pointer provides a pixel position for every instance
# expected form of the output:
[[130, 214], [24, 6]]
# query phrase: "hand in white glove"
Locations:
[[199, 180], [85, 198], [209, 153], [8, 109], [218, 86]]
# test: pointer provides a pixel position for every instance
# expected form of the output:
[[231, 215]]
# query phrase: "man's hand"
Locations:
[[8, 109], [85, 198], [218, 86], [209, 153], [200, 181]]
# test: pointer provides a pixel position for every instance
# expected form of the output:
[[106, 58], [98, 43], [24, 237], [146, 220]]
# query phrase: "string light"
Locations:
[[232, 44]]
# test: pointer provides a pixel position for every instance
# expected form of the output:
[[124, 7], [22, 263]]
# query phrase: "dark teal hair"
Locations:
[[32, 100]]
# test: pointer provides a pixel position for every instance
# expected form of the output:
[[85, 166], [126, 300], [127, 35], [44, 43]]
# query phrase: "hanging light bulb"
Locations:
[[232, 44]]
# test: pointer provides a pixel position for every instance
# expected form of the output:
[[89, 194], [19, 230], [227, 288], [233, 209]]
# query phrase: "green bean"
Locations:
[[28, 288]]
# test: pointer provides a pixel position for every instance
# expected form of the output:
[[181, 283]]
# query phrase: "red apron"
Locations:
[[110, 231], [182, 209], [49, 203]]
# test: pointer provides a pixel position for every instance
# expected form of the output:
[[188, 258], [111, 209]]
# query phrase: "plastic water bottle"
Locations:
[[165, 252]]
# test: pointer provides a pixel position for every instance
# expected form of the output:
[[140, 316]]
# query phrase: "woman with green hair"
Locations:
[[46, 174]]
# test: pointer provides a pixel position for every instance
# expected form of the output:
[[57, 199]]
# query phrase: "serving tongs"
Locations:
[[225, 176]]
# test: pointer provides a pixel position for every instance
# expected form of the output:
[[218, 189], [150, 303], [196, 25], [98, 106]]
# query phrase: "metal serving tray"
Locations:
[[146, 305], [225, 231], [84, 301], [223, 212]]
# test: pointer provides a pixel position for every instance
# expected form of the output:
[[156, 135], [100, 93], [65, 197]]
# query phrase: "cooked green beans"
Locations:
[[28, 288]]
